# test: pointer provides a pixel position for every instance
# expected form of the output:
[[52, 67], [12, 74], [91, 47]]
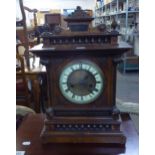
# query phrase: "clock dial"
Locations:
[[81, 82]]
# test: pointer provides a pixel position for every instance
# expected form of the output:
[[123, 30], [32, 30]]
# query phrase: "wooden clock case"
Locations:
[[97, 122], [102, 111]]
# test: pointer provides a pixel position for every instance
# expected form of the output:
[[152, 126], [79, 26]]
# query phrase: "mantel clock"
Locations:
[[81, 72]]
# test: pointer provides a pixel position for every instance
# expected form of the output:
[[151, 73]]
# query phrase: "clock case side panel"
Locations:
[[46, 62]]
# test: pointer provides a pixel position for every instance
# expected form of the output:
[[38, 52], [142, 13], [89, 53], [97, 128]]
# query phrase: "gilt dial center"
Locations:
[[81, 82]]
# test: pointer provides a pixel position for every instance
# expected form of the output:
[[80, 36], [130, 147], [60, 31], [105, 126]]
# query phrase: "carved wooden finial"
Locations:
[[79, 13], [79, 20]]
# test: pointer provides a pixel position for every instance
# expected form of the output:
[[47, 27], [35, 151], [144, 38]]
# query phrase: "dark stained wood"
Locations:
[[31, 128], [105, 57], [66, 48], [56, 50]]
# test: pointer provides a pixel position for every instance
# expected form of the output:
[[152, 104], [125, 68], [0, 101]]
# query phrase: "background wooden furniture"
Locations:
[[53, 20], [34, 74], [23, 96], [31, 127], [23, 33]]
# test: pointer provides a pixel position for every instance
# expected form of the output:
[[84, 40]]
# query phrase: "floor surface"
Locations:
[[127, 88]]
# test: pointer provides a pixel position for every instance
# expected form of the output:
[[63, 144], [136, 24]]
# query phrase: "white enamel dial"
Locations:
[[81, 82]]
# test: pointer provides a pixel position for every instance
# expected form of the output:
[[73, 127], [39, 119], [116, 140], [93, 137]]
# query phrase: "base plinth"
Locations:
[[82, 137]]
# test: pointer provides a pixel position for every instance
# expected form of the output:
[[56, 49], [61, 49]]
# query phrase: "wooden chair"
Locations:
[[23, 96], [24, 33], [27, 86]]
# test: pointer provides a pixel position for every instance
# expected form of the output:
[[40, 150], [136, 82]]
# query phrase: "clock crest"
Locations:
[[81, 70]]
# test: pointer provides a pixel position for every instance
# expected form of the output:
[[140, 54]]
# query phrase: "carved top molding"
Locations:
[[79, 14]]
